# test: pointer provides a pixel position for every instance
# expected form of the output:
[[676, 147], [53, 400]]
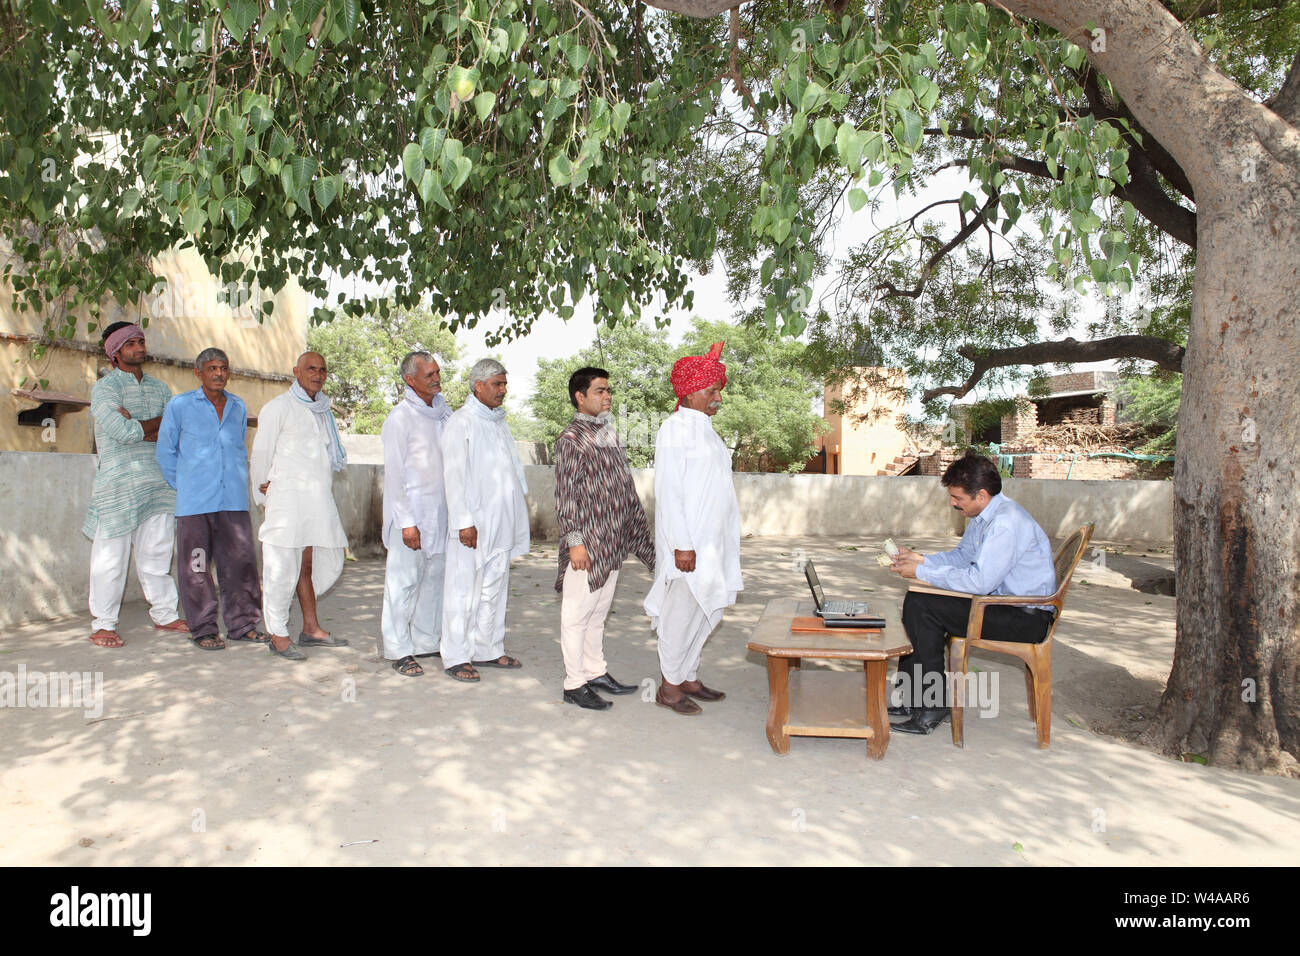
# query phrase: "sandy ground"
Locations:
[[236, 757]]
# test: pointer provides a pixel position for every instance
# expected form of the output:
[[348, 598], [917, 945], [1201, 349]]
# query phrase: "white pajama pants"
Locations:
[[473, 606], [684, 626], [281, 568], [582, 627], [109, 560], [411, 622]]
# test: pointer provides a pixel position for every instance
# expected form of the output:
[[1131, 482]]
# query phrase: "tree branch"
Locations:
[[1168, 355], [694, 8], [967, 230]]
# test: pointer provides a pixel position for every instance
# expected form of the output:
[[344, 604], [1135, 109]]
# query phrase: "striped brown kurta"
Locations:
[[596, 502]]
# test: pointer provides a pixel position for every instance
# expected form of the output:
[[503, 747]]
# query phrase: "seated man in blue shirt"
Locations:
[[1003, 551], [202, 455]]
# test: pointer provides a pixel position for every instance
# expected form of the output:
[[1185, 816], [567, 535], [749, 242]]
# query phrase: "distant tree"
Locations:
[[363, 354], [638, 359], [1153, 399], [766, 417]]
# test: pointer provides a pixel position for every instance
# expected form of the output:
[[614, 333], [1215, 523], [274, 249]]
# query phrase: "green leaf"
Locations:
[[462, 166], [431, 190], [351, 10], [561, 169], [824, 131], [857, 199], [483, 104], [238, 16], [237, 209], [325, 189], [781, 230], [431, 141], [413, 162], [130, 202], [912, 127], [462, 82]]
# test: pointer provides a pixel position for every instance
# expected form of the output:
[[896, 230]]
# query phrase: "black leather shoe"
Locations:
[[923, 721], [587, 698], [901, 711], [607, 683]]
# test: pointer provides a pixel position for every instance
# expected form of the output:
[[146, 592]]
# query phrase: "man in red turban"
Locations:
[[697, 532]]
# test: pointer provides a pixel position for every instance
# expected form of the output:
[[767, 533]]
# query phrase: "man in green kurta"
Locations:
[[132, 507]]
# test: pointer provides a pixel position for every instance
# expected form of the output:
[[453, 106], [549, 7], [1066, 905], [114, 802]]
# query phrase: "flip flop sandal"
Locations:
[[510, 664], [258, 638], [306, 640], [462, 672], [198, 639], [107, 639], [408, 667]]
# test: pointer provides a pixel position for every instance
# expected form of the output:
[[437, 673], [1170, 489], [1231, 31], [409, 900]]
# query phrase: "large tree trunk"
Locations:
[[1234, 690]]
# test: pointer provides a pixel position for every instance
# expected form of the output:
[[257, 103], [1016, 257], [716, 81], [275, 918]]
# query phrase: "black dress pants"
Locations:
[[929, 619]]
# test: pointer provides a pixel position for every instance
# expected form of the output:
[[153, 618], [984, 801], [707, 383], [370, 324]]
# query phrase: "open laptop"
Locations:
[[839, 613]]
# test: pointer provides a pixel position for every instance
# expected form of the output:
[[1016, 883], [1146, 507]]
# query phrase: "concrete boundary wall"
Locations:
[[44, 558]]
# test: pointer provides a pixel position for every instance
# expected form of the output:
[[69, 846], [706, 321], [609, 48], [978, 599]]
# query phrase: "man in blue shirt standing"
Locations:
[[202, 455], [1003, 551]]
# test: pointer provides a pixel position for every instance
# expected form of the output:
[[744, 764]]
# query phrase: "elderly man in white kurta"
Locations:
[[295, 454], [415, 517], [697, 532], [488, 520]]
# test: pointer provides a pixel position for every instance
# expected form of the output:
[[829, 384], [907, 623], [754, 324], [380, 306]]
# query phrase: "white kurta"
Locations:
[[414, 496], [411, 622], [290, 451], [485, 488], [695, 510], [485, 481]]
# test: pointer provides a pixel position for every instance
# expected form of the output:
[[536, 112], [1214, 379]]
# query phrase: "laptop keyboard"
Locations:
[[845, 607]]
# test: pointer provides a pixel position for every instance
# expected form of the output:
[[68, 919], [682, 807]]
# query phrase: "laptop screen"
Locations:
[[811, 574]]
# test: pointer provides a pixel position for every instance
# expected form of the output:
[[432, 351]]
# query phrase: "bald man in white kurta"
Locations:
[[485, 487], [291, 451]]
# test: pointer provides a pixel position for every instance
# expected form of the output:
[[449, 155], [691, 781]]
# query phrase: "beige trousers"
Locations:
[[582, 627]]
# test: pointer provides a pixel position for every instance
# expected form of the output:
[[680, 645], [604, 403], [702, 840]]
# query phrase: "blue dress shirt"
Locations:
[[204, 459], [1003, 551]]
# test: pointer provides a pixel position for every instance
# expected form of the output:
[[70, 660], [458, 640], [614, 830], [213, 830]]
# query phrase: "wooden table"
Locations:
[[825, 703]]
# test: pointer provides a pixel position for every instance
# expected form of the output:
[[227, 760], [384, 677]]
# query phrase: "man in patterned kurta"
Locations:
[[132, 507], [601, 522]]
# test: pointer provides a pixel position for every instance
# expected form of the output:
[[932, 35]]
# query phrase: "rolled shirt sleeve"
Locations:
[[106, 400]]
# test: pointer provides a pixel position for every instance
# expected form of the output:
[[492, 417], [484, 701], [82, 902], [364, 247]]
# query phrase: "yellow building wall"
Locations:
[[181, 320], [868, 435]]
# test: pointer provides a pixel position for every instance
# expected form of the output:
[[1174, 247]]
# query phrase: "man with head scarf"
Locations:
[[697, 532], [202, 455], [415, 517], [132, 506], [295, 454], [488, 525]]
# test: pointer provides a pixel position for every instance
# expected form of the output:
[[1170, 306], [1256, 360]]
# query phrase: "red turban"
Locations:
[[694, 372]]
